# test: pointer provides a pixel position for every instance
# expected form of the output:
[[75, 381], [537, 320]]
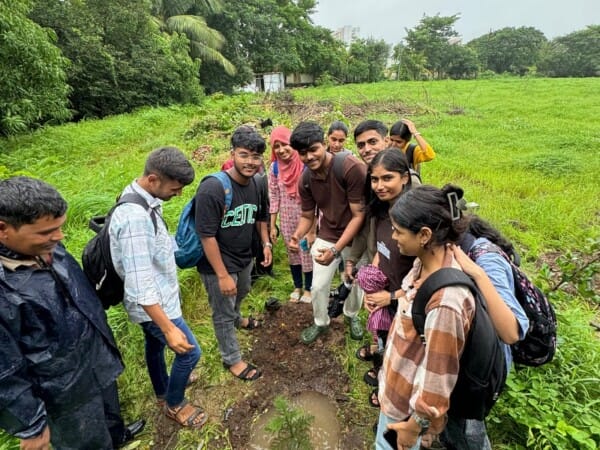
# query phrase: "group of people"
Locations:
[[58, 383]]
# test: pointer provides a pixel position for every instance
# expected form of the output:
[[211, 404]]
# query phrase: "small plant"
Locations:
[[290, 427]]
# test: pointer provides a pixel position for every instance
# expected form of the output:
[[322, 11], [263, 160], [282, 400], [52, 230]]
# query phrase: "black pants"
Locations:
[[95, 425]]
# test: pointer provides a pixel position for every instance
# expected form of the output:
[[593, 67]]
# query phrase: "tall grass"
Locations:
[[526, 150]]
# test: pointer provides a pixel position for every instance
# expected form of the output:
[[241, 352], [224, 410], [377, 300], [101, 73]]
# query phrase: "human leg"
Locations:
[[321, 284], [81, 427], [154, 349], [296, 271], [465, 434], [120, 434], [224, 317]]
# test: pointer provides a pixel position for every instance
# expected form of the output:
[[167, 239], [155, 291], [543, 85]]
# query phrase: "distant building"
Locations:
[[456, 40], [346, 34]]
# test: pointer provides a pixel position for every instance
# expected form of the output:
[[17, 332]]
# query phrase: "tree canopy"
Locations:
[[33, 87]]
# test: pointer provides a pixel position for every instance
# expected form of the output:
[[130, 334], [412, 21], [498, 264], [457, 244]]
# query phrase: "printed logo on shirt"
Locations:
[[241, 215], [382, 249]]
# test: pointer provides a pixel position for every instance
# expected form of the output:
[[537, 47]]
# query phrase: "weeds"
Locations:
[[290, 427]]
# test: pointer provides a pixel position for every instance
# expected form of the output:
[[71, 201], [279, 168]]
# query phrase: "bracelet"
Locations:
[[268, 244], [393, 299], [417, 134]]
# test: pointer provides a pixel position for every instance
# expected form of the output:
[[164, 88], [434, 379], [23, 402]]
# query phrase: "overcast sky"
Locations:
[[387, 19]]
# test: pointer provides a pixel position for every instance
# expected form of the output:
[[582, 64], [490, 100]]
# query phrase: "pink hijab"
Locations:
[[288, 171]]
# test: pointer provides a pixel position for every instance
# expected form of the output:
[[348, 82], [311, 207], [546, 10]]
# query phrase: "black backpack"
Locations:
[[482, 371], [96, 259], [410, 157], [539, 344]]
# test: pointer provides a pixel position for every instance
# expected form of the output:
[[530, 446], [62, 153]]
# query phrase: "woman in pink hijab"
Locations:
[[284, 175]]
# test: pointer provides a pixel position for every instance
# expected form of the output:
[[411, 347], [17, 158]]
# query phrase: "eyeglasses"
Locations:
[[244, 156]]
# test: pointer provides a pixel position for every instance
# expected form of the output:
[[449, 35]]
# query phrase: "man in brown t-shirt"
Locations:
[[341, 205]]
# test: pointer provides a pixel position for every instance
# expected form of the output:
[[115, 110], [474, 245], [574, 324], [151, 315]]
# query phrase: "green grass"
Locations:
[[527, 150]]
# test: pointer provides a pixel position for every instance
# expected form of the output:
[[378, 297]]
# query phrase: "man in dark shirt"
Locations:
[[59, 361], [226, 236], [342, 215]]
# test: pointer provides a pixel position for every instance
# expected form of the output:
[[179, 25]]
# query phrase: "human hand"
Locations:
[[227, 286], [324, 256], [273, 235], [293, 244], [467, 264], [267, 256], [177, 341], [349, 271], [39, 442], [411, 126]]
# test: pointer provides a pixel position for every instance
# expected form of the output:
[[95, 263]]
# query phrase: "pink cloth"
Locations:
[[380, 320], [288, 171], [371, 279]]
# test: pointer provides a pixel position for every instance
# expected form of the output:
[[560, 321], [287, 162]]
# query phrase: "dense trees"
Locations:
[[574, 55], [511, 50], [119, 60], [33, 87], [90, 58]]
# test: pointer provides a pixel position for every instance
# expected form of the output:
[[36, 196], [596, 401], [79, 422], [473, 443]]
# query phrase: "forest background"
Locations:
[[88, 88]]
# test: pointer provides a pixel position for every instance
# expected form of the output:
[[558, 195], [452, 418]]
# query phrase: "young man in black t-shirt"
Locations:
[[226, 236]]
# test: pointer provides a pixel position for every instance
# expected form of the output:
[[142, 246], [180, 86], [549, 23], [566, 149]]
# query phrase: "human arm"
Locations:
[[359, 246], [274, 199], [424, 152], [39, 442], [325, 255], [505, 321]]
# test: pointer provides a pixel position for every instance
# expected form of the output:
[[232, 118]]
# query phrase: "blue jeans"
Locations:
[[380, 442], [463, 434], [171, 388]]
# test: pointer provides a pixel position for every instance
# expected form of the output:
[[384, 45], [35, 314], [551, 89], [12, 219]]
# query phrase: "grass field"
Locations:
[[526, 150]]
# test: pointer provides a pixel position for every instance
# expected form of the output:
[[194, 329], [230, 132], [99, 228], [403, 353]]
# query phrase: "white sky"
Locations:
[[387, 19]]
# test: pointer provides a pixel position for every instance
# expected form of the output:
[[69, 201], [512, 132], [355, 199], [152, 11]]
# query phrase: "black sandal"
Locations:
[[252, 324], [243, 375], [364, 353], [370, 377], [374, 398]]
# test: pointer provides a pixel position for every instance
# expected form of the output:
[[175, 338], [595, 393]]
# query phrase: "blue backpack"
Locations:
[[190, 249]]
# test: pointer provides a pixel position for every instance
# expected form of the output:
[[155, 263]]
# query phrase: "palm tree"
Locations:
[[182, 16]]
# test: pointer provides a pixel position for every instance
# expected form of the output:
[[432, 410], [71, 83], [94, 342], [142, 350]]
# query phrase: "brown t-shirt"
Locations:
[[332, 198]]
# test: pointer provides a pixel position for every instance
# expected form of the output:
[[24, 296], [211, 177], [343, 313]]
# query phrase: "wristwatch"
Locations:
[[335, 252], [422, 422], [268, 244]]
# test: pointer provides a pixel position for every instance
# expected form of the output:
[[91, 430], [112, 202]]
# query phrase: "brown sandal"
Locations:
[[187, 415]]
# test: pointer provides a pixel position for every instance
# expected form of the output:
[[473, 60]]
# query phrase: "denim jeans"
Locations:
[[171, 388], [465, 434], [380, 442], [226, 316]]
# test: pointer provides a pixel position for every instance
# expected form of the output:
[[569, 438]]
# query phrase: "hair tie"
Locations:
[[455, 204]]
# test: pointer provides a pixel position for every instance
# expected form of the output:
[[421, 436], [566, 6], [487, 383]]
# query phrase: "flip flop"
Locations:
[[306, 299], [243, 375], [364, 353], [252, 324], [374, 399], [295, 297], [370, 377]]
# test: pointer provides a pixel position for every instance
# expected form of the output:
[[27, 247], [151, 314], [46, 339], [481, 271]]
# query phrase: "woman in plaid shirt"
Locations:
[[416, 380]]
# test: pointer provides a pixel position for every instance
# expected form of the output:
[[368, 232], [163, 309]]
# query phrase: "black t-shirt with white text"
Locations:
[[233, 230]]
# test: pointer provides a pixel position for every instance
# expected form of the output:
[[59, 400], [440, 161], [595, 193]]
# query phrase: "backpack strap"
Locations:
[[440, 279], [227, 188], [275, 167], [98, 222], [338, 167], [410, 157]]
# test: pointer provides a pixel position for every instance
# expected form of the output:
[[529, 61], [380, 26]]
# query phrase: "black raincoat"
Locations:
[[56, 349]]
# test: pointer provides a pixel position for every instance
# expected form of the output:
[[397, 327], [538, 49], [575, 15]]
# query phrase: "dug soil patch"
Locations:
[[289, 368]]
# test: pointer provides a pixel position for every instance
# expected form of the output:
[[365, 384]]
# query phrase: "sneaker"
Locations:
[[310, 334], [356, 328]]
